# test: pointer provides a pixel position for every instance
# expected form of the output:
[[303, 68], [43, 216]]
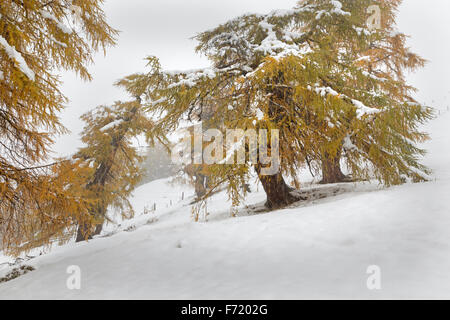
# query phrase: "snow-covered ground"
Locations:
[[320, 249]]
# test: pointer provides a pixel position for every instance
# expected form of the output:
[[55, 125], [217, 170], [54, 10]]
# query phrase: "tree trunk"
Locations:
[[331, 170], [99, 181], [279, 194], [99, 212], [82, 230], [200, 185], [98, 229]]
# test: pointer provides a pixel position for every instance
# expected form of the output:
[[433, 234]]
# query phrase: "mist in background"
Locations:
[[164, 28]]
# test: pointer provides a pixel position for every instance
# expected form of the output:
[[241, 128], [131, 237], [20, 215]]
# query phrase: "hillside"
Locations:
[[317, 249]]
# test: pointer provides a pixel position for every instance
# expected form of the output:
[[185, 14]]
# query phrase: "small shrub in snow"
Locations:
[[16, 272]]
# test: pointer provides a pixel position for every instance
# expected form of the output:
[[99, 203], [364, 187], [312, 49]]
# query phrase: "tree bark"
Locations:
[[331, 170], [279, 194], [100, 211], [200, 185], [82, 230], [98, 229]]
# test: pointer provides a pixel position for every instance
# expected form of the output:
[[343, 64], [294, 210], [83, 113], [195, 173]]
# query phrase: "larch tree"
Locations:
[[114, 162], [330, 84], [37, 40], [365, 61]]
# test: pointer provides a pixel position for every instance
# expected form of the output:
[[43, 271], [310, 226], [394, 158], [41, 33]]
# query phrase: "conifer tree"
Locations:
[[332, 86], [38, 39], [114, 161], [371, 61]]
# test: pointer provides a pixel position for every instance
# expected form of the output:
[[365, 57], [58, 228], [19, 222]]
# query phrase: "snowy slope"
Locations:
[[320, 249]]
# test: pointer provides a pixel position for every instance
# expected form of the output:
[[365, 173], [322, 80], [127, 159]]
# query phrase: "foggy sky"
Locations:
[[164, 28]]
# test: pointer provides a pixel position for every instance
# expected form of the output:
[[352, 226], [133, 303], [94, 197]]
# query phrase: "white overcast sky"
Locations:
[[164, 28]]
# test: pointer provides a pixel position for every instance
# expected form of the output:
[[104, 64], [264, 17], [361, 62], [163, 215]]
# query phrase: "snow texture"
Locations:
[[59, 24], [16, 56], [320, 248]]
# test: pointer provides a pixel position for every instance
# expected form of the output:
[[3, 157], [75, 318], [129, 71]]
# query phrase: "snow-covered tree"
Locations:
[[114, 161], [319, 74]]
